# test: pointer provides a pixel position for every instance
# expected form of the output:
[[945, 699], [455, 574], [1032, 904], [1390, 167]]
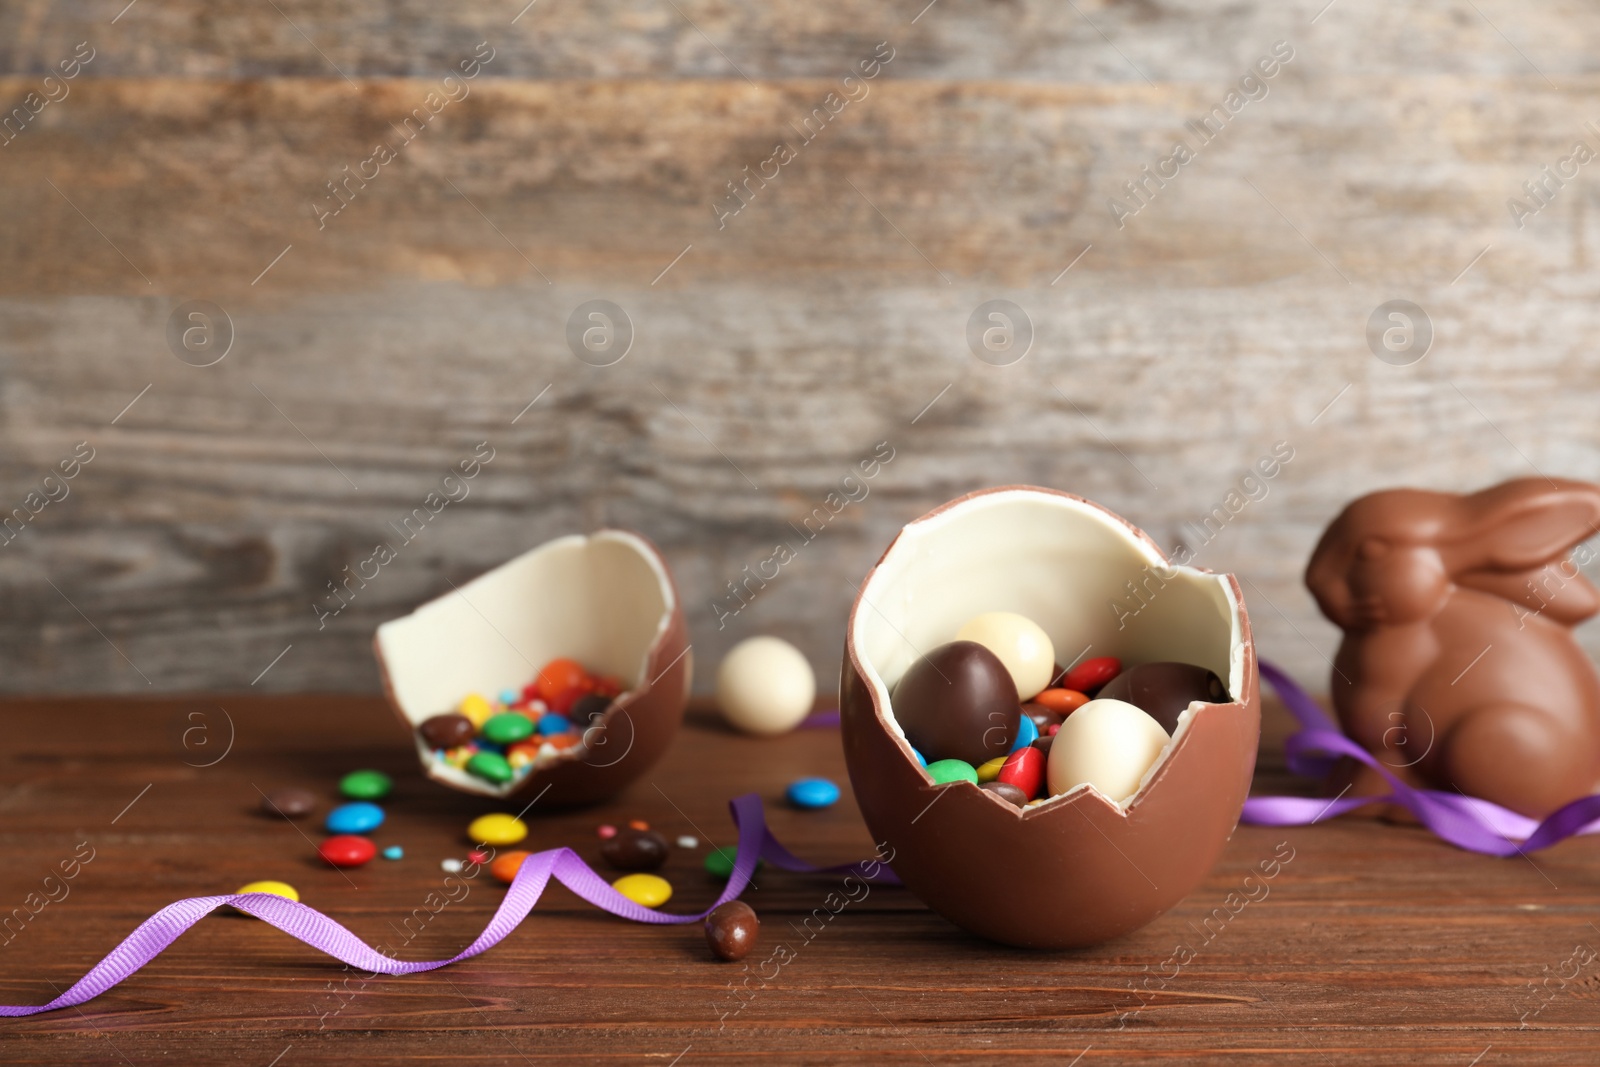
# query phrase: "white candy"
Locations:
[[1109, 744], [765, 686], [1019, 643]]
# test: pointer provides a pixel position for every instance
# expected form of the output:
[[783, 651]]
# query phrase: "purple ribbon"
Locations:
[[1466, 822], [307, 924]]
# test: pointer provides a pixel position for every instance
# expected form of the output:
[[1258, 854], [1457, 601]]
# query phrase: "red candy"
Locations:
[[1091, 674], [347, 850], [477, 857], [1024, 769], [561, 683]]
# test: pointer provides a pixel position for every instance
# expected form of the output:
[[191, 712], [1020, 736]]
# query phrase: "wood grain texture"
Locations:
[[1372, 944], [190, 157]]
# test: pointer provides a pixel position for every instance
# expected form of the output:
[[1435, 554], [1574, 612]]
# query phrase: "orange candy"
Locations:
[[1065, 701], [506, 865], [561, 683], [560, 742], [638, 824]]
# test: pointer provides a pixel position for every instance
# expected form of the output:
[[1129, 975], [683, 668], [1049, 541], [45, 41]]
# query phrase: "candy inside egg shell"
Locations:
[[605, 600], [1107, 865]]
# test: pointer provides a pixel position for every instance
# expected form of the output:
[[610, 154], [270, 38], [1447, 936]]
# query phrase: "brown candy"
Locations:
[[731, 930], [588, 708], [447, 731], [289, 803], [958, 702], [1006, 791], [1043, 717], [1043, 743], [634, 850], [1165, 690]]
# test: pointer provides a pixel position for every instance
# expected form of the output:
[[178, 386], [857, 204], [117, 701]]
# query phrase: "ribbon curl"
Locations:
[[307, 924], [1467, 822]]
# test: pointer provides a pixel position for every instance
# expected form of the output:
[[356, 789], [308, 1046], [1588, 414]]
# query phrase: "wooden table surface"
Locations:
[[1374, 944]]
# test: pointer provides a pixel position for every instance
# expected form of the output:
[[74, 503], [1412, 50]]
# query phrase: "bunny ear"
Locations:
[[1526, 523]]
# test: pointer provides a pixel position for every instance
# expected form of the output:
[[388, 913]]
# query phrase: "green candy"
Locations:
[[366, 785], [490, 765], [952, 770], [508, 728], [719, 862]]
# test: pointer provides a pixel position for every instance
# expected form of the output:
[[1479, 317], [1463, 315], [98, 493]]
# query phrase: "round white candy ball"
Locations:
[[765, 686], [1109, 744], [1019, 643]]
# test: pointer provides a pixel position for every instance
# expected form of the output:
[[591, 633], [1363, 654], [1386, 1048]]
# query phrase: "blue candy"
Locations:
[[921, 759], [357, 818], [509, 697], [1027, 733], [812, 793], [552, 723], [393, 852]]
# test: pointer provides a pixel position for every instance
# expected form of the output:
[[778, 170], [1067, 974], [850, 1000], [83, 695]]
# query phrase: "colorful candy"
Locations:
[[1025, 769], [720, 861], [476, 709], [989, 770], [686, 841], [289, 803], [347, 850], [1027, 733], [1088, 676], [277, 889], [451, 866], [366, 785], [635, 850], [490, 766], [812, 793], [1019, 643], [507, 864], [605, 830], [952, 770], [497, 829], [508, 728], [731, 930], [561, 682], [394, 852], [646, 889], [359, 817], [1006, 791], [447, 731]]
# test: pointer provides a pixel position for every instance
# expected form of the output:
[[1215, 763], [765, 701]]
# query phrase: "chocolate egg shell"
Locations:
[[1165, 690], [958, 702], [606, 600], [1106, 868]]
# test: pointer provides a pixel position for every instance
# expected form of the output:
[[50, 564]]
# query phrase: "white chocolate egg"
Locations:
[[765, 686], [1019, 643], [1109, 744]]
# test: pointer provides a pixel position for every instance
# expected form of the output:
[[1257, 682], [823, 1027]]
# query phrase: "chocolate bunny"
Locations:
[[1458, 668]]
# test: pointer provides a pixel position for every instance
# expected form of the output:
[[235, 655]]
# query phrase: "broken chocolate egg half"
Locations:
[[1094, 868], [605, 600]]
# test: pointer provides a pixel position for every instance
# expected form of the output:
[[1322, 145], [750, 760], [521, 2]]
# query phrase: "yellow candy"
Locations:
[[497, 829], [277, 889], [476, 708], [644, 889], [988, 772], [519, 758], [457, 757]]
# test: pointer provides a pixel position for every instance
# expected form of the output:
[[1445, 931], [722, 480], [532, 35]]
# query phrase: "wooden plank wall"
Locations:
[[188, 160]]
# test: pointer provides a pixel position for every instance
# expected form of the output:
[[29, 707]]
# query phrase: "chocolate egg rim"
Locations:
[[1241, 669], [463, 781]]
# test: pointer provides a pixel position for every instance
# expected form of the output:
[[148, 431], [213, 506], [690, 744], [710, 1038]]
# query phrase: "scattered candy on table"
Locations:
[[765, 686], [477, 856], [497, 829], [394, 852], [638, 824], [347, 850], [688, 842], [605, 830], [505, 866], [358, 817], [731, 930], [812, 793], [634, 850], [646, 889], [451, 866], [289, 803], [366, 785], [719, 861], [277, 889]]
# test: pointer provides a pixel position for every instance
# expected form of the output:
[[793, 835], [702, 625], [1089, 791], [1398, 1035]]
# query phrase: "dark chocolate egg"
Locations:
[[958, 702], [1165, 690]]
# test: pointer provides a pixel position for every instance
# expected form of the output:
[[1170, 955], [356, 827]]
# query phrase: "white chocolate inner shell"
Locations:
[[603, 600], [1060, 562]]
